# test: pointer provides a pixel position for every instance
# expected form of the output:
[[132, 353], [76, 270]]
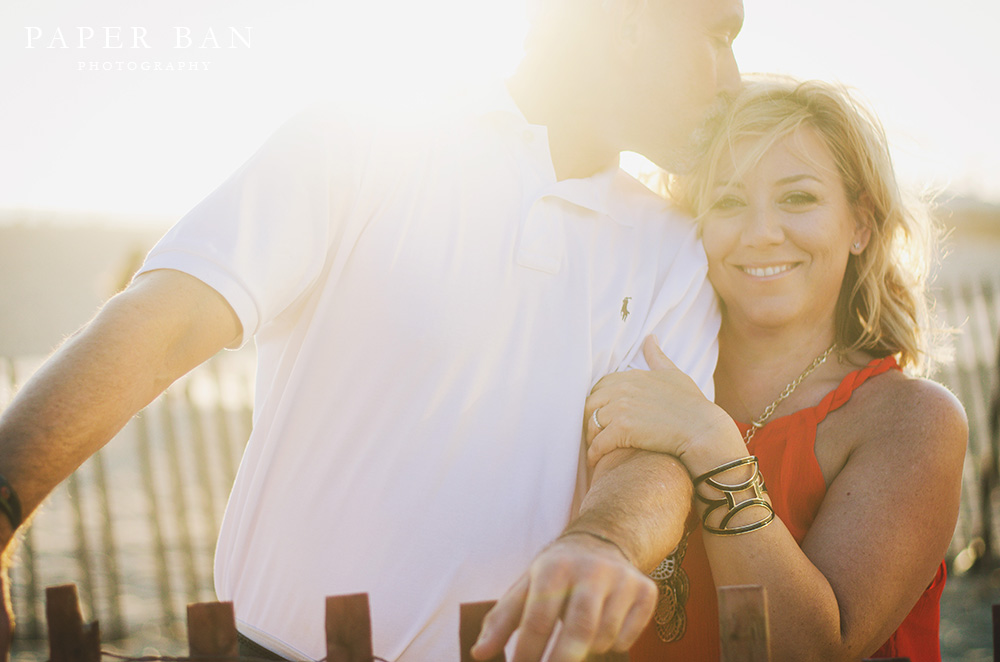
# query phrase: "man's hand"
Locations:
[[583, 590], [600, 599]]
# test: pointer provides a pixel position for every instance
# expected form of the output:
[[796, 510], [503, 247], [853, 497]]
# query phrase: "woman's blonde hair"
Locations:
[[883, 306]]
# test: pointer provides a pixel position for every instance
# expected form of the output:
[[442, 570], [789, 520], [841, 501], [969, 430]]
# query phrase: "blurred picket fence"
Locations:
[[134, 528], [971, 306]]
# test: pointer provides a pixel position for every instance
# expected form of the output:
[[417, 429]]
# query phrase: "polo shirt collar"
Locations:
[[594, 192]]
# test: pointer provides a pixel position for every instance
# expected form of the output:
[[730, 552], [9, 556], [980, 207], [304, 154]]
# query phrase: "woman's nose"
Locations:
[[762, 227]]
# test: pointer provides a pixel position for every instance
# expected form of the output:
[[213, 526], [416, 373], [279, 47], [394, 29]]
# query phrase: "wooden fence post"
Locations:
[[743, 625], [348, 629], [212, 630], [69, 639], [996, 632], [470, 624], [610, 656]]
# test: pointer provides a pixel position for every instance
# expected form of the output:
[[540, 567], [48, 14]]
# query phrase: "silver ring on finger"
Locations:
[[595, 421]]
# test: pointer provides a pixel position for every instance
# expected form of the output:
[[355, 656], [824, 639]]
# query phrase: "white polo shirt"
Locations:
[[431, 308]]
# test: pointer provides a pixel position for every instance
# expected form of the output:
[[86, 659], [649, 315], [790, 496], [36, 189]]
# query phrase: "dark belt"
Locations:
[[250, 648]]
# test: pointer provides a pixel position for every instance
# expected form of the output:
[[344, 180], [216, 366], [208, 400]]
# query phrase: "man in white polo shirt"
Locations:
[[431, 305]]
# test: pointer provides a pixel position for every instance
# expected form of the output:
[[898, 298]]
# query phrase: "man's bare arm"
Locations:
[[640, 500], [162, 326], [602, 596]]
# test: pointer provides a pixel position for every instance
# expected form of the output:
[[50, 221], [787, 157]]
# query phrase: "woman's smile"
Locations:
[[767, 271]]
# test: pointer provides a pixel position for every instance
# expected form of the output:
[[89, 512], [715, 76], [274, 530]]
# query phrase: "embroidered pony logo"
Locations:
[[625, 312]]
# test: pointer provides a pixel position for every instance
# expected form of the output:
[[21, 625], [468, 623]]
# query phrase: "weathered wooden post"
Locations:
[[212, 630], [70, 640], [743, 625], [610, 656], [996, 632], [348, 629]]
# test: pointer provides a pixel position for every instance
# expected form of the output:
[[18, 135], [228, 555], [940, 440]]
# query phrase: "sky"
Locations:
[[140, 109]]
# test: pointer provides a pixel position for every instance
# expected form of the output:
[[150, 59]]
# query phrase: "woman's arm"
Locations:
[[890, 512], [879, 535]]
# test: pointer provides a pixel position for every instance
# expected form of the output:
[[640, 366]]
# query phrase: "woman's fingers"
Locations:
[[649, 409], [655, 358], [600, 446], [600, 440]]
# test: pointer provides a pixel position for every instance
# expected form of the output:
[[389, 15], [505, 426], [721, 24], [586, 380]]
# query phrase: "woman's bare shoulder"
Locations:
[[899, 409], [894, 422]]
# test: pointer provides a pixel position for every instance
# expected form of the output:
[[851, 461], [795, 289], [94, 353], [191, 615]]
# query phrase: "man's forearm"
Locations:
[[639, 500], [99, 379], [70, 408]]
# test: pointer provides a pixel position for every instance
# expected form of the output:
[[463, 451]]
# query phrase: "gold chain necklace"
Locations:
[[792, 385]]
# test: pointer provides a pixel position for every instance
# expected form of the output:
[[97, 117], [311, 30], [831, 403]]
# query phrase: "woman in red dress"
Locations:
[[819, 267]]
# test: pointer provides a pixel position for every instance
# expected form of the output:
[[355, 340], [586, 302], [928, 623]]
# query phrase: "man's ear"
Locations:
[[627, 17]]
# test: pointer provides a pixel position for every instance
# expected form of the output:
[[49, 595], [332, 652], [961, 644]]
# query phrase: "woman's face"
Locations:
[[778, 239]]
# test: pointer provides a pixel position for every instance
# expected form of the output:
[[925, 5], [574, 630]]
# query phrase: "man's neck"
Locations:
[[576, 144]]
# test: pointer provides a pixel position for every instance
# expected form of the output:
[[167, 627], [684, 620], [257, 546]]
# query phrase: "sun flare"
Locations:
[[388, 53]]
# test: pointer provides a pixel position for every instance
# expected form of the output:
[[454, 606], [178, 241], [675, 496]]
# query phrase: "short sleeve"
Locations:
[[263, 238], [685, 316]]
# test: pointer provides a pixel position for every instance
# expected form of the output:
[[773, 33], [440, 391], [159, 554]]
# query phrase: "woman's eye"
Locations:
[[799, 198], [727, 203]]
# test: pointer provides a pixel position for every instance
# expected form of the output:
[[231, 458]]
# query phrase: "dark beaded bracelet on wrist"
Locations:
[[10, 505]]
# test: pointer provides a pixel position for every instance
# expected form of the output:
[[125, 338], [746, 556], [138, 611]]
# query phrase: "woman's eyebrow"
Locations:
[[791, 179]]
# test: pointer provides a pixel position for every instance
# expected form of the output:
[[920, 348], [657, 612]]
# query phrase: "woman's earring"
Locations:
[[856, 247]]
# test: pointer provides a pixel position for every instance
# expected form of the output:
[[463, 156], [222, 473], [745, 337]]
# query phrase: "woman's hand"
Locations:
[[660, 410]]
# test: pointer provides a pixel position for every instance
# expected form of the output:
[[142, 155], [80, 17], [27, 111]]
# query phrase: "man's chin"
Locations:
[[682, 160], [676, 164]]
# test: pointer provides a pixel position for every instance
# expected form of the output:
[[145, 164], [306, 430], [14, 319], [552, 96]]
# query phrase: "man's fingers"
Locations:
[[579, 626], [609, 614], [622, 612], [542, 611], [614, 611], [637, 617], [579, 597], [501, 621]]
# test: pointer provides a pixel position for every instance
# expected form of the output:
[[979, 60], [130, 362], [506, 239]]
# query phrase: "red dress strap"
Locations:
[[839, 396]]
